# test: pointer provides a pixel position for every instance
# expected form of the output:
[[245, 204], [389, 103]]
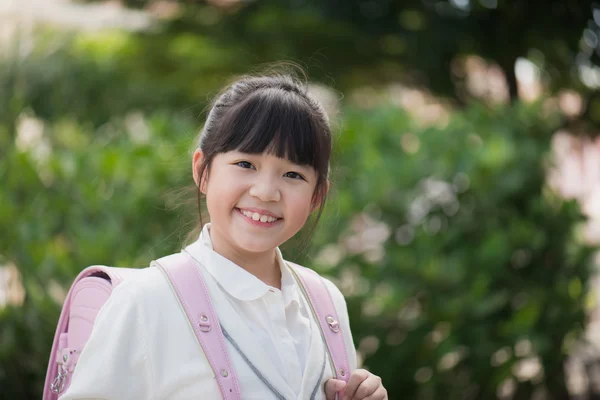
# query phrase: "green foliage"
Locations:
[[96, 197], [383, 40], [469, 252]]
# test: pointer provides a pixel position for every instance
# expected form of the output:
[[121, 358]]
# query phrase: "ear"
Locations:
[[197, 160], [318, 199]]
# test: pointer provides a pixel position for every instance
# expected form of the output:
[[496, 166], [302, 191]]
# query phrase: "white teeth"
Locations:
[[258, 217]]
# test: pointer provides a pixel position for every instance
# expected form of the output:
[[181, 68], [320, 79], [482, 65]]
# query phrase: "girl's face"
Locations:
[[256, 202]]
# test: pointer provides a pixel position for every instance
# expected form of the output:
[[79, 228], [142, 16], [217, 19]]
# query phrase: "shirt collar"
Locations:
[[235, 280]]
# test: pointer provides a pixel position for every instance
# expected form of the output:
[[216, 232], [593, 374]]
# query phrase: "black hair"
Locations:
[[274, 114]]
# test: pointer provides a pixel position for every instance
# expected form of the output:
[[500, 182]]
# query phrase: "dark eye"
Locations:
[[293, 175], [244, 164]]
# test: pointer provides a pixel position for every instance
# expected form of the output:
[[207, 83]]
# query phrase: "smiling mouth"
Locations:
[[258, 217]]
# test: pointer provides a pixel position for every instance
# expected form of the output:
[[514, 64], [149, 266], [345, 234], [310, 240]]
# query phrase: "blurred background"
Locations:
[[464, 218]]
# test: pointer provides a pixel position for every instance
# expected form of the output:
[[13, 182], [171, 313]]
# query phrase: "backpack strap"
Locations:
[[193, 295], [322, 304]]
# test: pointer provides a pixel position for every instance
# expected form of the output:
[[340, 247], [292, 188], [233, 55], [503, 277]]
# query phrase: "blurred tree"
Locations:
[[73, 197], [462, 273], [461, 268], [473, 276], [342, 44], [416, 41]]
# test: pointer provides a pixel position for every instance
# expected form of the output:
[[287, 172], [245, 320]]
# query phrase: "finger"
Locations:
[[379, 394], [333, 386], [354, 382], [368, 387]]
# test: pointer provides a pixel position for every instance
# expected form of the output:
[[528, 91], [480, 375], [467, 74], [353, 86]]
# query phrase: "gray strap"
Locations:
[[256, 371], [314, 392]]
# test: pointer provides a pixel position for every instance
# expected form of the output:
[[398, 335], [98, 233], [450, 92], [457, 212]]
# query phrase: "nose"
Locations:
[[265, 188]]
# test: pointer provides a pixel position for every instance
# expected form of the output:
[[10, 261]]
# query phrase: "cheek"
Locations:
[[223, 193], [301, 205]]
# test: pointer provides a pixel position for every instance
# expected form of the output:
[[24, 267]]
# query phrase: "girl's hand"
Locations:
[[362, 385]]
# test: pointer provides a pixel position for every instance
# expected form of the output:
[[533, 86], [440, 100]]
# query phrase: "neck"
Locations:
[[262, 265]]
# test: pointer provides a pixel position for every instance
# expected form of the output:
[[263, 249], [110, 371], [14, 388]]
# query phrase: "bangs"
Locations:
[[277, 122]]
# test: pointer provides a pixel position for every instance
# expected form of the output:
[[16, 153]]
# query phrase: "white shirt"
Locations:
[[143, 347]]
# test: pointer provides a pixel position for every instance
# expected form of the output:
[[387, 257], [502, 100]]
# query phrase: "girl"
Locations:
[[262, 163]]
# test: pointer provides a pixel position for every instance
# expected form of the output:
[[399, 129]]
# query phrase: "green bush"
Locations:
[[97, 197], [468, 268]]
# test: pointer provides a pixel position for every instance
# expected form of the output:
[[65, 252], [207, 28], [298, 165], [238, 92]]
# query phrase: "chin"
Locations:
[[252, 246]]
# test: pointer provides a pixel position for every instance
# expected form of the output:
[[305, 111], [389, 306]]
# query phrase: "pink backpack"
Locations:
[[93, 287]]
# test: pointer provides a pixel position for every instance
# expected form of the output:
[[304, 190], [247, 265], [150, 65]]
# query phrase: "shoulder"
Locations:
[[144, 278], [144, 284], [144, 295], [334, 291], [135, 297]]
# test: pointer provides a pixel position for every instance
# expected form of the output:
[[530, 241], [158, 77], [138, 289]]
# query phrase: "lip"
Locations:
[[260, 211]]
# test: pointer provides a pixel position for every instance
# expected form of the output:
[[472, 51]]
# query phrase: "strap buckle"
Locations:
[[58, 385]]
